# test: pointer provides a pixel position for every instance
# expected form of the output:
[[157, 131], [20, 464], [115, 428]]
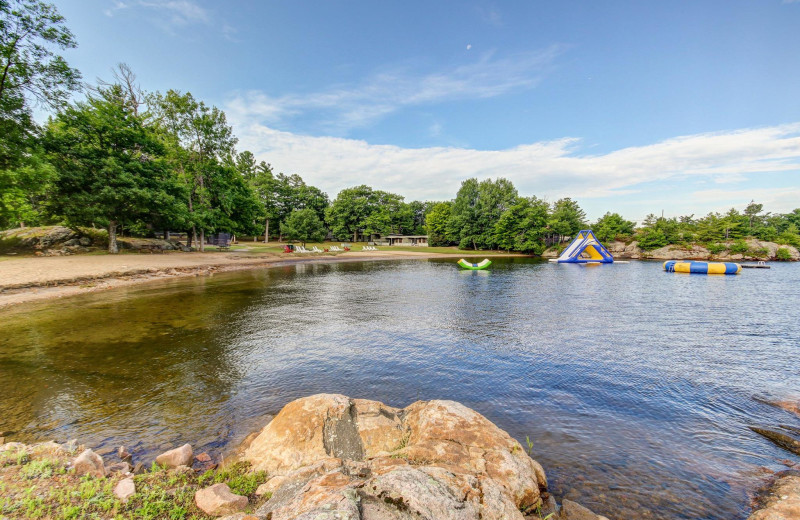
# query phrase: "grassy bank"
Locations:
[[35, 482]]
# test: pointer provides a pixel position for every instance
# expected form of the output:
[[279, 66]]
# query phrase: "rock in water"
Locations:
[[182, 456], [781, 501], [360, 459], [89, 463], [784, 440], [124, 455], [125, 489], [573, 511], [218, 500]]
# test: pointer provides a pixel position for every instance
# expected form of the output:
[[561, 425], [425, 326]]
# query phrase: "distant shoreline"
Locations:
[[25, 280]]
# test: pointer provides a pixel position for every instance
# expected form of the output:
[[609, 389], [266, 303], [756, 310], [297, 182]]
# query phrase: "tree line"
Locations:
[[141, 162]]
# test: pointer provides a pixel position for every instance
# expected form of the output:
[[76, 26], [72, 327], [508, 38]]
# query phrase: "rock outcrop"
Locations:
[[330, 456], [781, 500], [631, 250]]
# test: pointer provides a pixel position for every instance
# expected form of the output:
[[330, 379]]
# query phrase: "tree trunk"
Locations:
[[166, 235], [189, 238], [22, 224], [113, 248], [266, 233], [202, 240], [194, 234], [355, 236]]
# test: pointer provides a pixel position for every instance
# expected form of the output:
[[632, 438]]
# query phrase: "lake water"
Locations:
[[636, 386]]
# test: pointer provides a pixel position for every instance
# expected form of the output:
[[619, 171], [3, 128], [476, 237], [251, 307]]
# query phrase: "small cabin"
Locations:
[[405, 240]]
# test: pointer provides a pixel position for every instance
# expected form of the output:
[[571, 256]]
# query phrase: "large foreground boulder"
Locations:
[[330, 456]]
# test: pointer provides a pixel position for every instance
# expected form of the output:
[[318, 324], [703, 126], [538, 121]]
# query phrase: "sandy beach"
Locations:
[[28, 279]]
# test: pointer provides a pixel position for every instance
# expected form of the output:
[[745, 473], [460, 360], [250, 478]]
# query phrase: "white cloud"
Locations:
[[170, 14], [345, 107], [552, 169], [181, 12]]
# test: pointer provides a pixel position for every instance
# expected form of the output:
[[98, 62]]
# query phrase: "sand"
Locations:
[[28, 279]]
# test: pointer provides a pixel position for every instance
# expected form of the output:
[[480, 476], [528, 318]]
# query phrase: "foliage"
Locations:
[[110, 170], [783, 254], [612, 226], [476, 211], [716, 248], [650, 239], [304, 226], [238, 477], [436, 222], [29, 68], [739, 247], [566, 220], [363, 210], [523, 226]]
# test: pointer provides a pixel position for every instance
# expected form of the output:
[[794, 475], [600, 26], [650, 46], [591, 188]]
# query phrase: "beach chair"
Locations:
[[315, 249]]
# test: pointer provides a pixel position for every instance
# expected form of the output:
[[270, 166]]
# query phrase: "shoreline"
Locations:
[[35, 279]]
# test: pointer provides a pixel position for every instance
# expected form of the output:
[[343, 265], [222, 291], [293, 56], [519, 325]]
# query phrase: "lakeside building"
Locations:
[[401, 240]]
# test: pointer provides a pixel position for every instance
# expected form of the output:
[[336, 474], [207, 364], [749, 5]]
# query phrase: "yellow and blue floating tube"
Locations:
[[483, 264], [677, 266]]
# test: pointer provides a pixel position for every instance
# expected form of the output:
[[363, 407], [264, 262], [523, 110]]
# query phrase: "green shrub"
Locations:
[[783, 254], [651, 239], [759, 252], [739, 247], [716, 249]]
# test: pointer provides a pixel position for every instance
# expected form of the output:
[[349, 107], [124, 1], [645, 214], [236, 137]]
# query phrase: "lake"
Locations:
[[636, 386]]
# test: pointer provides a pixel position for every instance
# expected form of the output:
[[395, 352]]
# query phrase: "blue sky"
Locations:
[[635, 107]]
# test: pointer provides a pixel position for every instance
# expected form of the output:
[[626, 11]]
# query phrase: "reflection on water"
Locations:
[[635, 385]]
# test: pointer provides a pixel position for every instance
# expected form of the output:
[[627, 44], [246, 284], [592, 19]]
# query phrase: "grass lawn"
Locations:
[[277, 247]]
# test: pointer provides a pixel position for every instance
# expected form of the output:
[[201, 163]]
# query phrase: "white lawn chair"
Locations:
[[315, 249]]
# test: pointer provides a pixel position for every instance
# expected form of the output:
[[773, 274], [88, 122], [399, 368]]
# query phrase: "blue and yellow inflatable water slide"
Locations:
[[585, 248]]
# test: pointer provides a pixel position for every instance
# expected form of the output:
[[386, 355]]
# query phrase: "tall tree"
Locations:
[[199, 140], [751, 211], [303, 225], [566, 219], [110, 166], [437, 223], [523, 226], [30, 70], [348, 213], [611, 225]]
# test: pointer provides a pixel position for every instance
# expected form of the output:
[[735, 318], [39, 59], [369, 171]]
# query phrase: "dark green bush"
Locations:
[[783, 254]]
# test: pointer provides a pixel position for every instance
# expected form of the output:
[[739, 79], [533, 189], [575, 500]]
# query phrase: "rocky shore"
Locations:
[[756, 250], [322, 457]]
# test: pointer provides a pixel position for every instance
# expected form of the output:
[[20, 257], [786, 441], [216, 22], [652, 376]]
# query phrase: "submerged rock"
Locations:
[[784, 436], [337, 457], [781, 499], [573, 511]]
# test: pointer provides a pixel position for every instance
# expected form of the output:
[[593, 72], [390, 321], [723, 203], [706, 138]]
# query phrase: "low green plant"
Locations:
[[40, 469], [783, 254], [716, 249], [238, 478], [529, 442], [758, 252], [739, 247]]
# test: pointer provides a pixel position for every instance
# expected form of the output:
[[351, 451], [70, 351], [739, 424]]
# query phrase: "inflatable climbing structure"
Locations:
[[584, 249]]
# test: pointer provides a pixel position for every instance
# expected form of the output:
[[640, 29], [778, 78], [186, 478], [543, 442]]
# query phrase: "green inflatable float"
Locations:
[[483, 264]]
